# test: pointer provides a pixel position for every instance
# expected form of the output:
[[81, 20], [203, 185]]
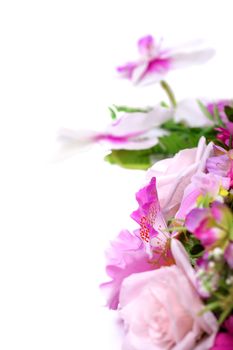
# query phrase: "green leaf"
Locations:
[[113, 113], [203, 201], [192, 246], [229, 112], [166, 87], [130, 159], [217, 116], [179, 137], [205, 110], [132, 109], [164, 104]]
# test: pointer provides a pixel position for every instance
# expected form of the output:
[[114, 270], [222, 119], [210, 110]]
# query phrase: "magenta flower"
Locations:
[[152, 225], [225, 134], [148, 215], [125, 256], [155, 62], [223, 341], [220, 104], [228, 324], [228, 255], [212, 226]]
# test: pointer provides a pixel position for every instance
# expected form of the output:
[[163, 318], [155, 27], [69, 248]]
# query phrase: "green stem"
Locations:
[[166, 87], [209, 307]]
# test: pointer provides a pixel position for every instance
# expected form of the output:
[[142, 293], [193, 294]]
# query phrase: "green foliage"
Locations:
[[117, 109], [205, 110], [203, 201], [166, 87], [113, 113], [229, 112], [130, 159], [220, 301], [217, 117], [179, 137], [192, 246], [128, 109]]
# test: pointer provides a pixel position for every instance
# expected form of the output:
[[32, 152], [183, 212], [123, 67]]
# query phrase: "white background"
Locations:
[[57, 70]]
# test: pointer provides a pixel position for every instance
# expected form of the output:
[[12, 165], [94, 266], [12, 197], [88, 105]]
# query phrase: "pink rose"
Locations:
[[126, 255], [173, 175], [160, 309]]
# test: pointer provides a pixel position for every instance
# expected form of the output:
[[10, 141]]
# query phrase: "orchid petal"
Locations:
[[181, 60], [139, 122], [188, 111]]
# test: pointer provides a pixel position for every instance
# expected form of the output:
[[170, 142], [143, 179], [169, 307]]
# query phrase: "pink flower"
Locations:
[[223, 341], [155, 62], [173, 175], [152, 225], [221, 163], [212, 225], [225, 134], [148, 215], [160, 309], [201, 185], [228, 324], [132, 131], [125, 256]]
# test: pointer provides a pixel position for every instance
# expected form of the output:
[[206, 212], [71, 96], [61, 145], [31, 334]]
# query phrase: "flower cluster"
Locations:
[[171, 279]]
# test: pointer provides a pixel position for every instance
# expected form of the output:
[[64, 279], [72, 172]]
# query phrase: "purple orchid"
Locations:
[[202, 185], [125, 256], [152, 225], [221, 163], [212, 226], [155, 62]]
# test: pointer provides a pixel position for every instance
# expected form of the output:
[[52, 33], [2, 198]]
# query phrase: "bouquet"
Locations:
[[171, 279]]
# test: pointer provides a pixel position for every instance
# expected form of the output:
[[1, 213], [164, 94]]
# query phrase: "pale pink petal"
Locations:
[[182, 260], [131, 123], [73, 142], [143, 141], [139, 72], [146, 45], [188, 111], [174, 175], [181, 60], [207, 321]]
